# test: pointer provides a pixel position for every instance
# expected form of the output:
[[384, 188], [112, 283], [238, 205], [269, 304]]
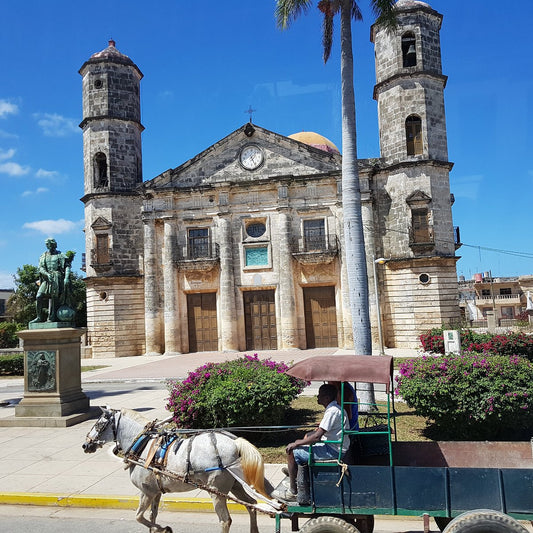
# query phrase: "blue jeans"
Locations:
[[320, 451]]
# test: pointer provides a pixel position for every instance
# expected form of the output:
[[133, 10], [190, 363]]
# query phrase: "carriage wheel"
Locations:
[[442, 522], [328, 524], [484, 521], [364, 524]]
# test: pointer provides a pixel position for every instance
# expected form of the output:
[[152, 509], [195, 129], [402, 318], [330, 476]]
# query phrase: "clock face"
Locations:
[[251, 157]]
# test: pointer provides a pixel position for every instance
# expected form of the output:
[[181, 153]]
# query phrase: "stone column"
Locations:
[[228, 334], [151, 296], [172, 331], [288, 325]]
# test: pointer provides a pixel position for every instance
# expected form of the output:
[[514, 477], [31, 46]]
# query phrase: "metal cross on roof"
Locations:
[[250, 111]]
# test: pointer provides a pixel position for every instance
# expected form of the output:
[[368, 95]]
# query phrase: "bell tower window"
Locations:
[[413, 135], [102, 249], [409, 49], [101, 178]]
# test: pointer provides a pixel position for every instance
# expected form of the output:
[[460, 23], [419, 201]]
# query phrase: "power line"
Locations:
[[524, 255]]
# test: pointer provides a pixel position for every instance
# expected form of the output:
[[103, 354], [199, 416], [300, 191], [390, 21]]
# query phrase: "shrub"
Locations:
[[472, 396], [12, 365], [243, 392], [510, 343], [8, 335]]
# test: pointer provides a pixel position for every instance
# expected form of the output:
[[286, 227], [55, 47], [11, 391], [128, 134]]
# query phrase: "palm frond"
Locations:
[[287, 11], [385, 13], [327, 35], [356, 12]]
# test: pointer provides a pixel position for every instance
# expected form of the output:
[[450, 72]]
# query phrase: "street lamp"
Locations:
[[378, 261]]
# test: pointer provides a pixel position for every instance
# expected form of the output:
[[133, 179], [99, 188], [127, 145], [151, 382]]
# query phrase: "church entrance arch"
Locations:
[[202, 321], [320, 317], [260, 320]]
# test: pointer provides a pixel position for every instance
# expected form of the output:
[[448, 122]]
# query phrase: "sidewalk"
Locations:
[[47, 466]]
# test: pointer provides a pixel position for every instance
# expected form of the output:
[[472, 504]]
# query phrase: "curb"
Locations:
[[99, 501]]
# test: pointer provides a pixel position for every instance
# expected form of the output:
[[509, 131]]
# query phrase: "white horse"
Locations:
[[210, 459]]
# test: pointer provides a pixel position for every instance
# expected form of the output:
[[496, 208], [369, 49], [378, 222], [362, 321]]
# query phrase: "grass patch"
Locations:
[[83, 369], [93, 367], [306, 412]]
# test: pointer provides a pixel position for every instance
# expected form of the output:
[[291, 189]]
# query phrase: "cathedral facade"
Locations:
[[241, 247]]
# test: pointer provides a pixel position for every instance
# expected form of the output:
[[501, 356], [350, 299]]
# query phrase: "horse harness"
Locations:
[[156, 460]]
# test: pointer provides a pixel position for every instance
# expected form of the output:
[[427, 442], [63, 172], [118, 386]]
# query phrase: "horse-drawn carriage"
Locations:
[[466, 487]]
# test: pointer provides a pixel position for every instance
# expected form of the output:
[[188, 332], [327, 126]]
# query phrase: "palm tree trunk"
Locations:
[[354, 243]]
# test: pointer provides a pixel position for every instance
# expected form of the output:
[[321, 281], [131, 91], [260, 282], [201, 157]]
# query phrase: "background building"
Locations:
[[240, 248], [507, 297]]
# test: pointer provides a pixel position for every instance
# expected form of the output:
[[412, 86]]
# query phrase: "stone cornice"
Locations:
[[408, 75], [86, 121]]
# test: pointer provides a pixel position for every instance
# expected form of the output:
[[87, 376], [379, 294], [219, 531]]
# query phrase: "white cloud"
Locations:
[[6, 281], [39, 190], [7, 135], [54, 125], [467, 186], [51, 227], [6, 154], [13, 169], [41, 173], [7, 108]]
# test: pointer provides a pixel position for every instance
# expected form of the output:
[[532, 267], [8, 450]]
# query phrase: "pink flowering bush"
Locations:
[[510, 343], [471, 397], [243, 392]]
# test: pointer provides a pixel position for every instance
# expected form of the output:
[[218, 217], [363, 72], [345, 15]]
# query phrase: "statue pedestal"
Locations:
[[52, 380]]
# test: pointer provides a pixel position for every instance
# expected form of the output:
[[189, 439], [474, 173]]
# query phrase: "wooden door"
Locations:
[[320, 317], [260, 320], [202, 320]]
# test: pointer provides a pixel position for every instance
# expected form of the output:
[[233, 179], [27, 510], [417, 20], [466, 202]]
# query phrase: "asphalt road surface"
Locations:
[[27, 519]]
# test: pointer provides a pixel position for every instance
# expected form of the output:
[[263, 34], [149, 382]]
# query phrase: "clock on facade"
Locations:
[[251, 157]]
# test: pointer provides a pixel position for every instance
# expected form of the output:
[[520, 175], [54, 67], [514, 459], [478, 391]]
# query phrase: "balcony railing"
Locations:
[[199, 256], [315, 249], [499, 299]]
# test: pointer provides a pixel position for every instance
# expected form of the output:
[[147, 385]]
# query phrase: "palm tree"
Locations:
[[354, 246]]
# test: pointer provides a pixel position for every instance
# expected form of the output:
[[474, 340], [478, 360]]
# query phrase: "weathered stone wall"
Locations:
[[417, 90], [125, 233], [111, 90], [115, 316], [409, 306]]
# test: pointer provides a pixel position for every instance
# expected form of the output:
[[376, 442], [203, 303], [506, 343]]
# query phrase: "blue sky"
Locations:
[[205, 63]]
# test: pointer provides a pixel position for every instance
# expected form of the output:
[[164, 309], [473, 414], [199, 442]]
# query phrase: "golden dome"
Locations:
[[316, 140]]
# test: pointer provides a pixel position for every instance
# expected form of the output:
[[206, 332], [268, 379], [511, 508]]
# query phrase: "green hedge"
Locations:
[[8, 335], [12, 365]]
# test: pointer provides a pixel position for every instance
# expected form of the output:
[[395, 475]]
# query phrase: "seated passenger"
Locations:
[[350, 396], [330, 428]]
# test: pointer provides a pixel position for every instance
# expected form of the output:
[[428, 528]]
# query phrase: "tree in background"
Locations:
[[354, 245], [21, 305]]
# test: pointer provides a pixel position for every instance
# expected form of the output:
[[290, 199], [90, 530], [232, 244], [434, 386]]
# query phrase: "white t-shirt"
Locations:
[[332, 425]]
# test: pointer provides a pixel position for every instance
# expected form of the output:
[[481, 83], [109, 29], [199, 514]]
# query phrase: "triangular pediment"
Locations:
[[418, 198], [101, 224], [277, 156]]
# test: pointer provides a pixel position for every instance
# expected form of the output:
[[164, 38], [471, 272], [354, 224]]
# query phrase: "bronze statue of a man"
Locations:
[[55, 282]]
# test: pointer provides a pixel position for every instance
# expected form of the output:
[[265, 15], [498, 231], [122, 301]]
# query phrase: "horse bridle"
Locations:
[[101, 424]]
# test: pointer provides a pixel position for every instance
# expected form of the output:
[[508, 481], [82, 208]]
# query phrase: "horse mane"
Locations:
[[134, 415]]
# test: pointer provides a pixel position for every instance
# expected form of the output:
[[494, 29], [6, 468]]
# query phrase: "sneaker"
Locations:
[[284, 495]]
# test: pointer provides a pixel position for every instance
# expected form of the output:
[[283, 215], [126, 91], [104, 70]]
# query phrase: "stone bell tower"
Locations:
[[413, 225], [113, 227]]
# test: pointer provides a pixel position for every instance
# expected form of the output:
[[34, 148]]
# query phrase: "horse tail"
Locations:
[[253, 467]]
